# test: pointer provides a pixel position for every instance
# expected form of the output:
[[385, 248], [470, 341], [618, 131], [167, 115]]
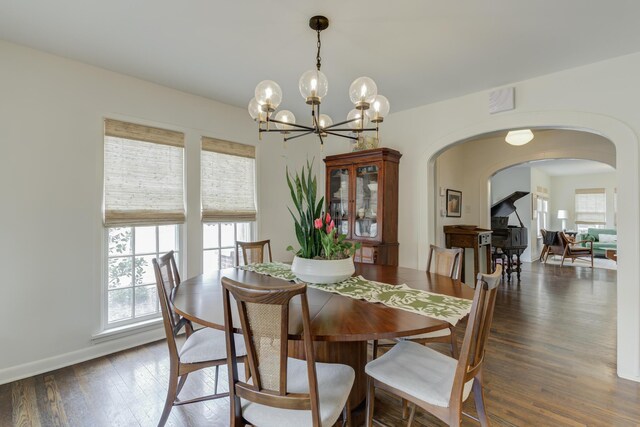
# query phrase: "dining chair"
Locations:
[[252, 252], [446, 262], [573, 250], [203, 348], [433, 381], [282, 391]]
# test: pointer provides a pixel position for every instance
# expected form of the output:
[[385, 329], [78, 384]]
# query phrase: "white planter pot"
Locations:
[[322, 270]]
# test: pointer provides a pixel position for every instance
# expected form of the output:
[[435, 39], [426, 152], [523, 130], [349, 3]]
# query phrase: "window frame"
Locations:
[[104, 294], [219, 248], [582, 226]]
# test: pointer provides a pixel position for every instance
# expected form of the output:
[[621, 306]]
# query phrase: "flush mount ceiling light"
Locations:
[[519, 137], [313, 85]]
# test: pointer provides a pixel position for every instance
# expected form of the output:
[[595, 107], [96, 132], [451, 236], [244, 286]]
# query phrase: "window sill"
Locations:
[[126, 330]]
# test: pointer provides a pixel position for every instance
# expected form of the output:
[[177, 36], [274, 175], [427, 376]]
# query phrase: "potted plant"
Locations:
[[324, 255]]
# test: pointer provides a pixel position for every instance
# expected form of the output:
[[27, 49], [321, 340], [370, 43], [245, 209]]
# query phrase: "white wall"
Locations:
[[51, 151], [558, 100], [564, 188]]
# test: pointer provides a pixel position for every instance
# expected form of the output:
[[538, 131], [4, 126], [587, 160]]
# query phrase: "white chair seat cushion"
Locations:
[[208, 344], [334, 385], [418, 371]]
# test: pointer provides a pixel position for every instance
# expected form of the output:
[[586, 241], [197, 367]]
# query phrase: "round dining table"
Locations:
[[340, 325]]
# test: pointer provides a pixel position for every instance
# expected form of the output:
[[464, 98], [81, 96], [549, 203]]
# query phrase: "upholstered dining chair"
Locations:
[[573, 251], [446, 262], [203, 348], [253, 252], [282, 391], [433, 381]]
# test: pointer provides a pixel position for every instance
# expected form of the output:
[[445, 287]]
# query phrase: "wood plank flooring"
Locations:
[[550, 362]]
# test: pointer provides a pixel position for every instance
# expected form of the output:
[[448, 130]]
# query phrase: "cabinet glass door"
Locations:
[[339, 199], [366, 207]]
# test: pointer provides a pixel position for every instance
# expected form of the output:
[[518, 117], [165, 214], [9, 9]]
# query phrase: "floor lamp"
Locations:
[[563, 215]]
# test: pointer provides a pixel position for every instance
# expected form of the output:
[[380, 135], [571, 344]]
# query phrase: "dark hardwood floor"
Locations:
[[550, 362]]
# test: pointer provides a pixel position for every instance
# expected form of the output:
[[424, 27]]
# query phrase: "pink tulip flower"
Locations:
[[317, 223], [327, 219], [330, 226]]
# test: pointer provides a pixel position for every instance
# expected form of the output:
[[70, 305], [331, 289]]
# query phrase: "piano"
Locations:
[[510, 240]]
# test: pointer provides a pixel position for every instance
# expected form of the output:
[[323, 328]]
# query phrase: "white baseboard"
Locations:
[[30, 369], [626, 376]]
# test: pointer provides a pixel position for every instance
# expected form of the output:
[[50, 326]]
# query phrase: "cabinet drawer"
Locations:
[[366, 254]]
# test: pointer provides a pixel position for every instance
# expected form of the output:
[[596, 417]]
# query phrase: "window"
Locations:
[[219, 243], [228, 200], [143, 203], [131, 282], [541, 213], [590, 208]]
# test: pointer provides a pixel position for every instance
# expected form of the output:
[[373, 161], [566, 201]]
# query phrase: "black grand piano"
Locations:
[[510, 240]]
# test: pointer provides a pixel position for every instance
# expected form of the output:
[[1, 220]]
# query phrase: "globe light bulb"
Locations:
[[324, 121], [362, 92], [256, 112], [313, 86], [287, 117], [378, 109], [269, 95], [360, 123]]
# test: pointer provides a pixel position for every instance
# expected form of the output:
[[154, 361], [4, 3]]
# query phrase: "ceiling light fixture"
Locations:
[[519, 137], [313, 85]]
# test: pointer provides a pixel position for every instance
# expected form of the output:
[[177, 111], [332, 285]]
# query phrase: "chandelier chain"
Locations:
[[318, 58]]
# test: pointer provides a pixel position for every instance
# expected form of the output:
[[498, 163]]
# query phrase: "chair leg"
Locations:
[[171, 397], [479, 398], [411, 415], [370, 400], [374, 351], [346, 415], [215, 384], [183, 379], [405, 408]]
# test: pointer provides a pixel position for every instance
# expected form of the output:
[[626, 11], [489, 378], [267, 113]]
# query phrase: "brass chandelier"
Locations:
[[369, 107]]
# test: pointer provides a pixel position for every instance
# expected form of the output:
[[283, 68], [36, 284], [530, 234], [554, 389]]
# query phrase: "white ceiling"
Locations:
[[418, 51]]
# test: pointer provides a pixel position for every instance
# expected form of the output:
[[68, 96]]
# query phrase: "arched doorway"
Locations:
[[626, 144]]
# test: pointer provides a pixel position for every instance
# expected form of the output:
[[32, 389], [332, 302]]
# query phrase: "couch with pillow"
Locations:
[[602, 238]]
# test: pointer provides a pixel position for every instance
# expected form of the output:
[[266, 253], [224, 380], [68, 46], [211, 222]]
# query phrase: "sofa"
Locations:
[[600, 244]]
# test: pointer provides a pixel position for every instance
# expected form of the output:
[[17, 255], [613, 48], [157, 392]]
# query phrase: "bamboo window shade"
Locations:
[[591, 206], [228, 181], [143, 175]]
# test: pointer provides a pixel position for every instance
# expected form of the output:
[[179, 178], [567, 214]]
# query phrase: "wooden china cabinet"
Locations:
[[362, 198]]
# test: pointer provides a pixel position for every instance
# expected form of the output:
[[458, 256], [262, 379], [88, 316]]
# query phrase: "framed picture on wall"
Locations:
[[454, 203]]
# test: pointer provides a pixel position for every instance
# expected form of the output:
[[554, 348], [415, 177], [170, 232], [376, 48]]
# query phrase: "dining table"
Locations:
[[341, 326]]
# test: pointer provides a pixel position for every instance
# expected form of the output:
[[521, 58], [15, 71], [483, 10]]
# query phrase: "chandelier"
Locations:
[[369, 107]]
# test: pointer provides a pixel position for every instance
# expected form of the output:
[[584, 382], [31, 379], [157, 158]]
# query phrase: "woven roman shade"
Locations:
[[228, 181], [143, 175], [591, 206]]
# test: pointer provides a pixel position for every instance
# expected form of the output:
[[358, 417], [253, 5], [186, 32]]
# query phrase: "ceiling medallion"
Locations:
[[313, 85]]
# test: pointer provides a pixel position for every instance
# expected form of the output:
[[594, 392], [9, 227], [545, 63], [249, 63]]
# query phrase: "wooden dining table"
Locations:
[[340, 326]]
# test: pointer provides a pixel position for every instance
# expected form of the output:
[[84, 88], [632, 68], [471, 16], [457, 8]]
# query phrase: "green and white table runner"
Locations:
[[437, 306]]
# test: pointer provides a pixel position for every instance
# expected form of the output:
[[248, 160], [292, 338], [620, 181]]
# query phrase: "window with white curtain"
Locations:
[[228, 188], [143, 205], [590, 208]]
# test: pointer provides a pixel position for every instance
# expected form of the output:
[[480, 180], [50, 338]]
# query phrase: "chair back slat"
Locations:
[[252, 252], [264, 319], [167, 278], [477, 332], [446, 262]]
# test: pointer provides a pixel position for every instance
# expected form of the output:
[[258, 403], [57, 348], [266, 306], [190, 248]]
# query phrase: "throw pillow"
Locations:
[[608, 238], [588, 237]]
